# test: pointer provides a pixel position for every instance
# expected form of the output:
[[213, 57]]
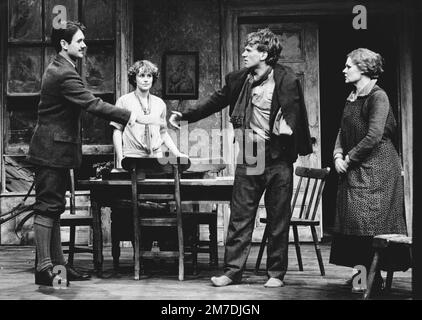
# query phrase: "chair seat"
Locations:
[[402, 260], [297, 222]]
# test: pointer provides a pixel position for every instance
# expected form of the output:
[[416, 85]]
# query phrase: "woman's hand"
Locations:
[[340, 165], [118, 162], [181, 155]]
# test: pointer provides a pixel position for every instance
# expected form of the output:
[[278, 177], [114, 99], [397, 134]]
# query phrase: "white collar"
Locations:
[[363, 92]]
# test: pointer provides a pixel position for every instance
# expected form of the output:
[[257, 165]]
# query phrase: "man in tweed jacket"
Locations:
[[56, 144]]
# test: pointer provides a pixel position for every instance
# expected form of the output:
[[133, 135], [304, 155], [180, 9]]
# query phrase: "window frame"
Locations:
[[123, 56]]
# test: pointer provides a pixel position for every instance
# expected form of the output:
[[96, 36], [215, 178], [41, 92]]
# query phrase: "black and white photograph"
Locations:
[[180, 75], [210, 158]]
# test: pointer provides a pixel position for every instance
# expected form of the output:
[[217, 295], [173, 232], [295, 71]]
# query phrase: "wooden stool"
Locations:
[[380, 244], [198, 218]]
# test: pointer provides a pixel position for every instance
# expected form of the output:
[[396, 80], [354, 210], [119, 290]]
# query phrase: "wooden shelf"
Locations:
[[22, 150]]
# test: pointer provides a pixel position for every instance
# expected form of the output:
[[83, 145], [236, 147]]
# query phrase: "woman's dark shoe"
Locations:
[[45, 277], [73, 275]]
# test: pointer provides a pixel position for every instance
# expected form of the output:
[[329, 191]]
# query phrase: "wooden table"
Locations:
[[105, 193]]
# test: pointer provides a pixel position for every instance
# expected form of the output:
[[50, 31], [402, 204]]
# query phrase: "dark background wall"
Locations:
[[417, 158], [191, 25]]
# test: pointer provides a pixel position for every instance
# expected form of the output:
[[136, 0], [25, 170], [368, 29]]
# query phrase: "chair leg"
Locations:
[[181, 250], [318, 250], [261, 249], [195, 241], [371, 276], [389, 280], [297, 246], [213, 243], [71, 245], [115, 252]]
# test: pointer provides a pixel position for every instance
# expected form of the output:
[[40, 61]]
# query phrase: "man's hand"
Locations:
[[175, 119], [341, 165]]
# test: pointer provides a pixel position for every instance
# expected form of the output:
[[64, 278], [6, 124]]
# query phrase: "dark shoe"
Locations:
[[73, 275], [45, 277]]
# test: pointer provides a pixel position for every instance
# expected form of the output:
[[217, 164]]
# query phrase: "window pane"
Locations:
[[99, 68], [49, 55], [24, 20], [99, 19], [24, 70], [71, 13], [22, 112]]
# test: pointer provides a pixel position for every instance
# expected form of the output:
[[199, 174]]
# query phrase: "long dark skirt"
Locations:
[[350, 251]]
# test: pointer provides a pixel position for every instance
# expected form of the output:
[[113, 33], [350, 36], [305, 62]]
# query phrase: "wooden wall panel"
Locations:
[[161, 25]]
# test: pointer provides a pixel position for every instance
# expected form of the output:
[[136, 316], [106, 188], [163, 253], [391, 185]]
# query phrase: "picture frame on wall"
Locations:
[[180, 75]]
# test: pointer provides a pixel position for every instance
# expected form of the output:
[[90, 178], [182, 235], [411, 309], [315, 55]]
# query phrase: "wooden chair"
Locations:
[[199, 216], [311, 177], [138, 168], [381, 244], [73, 221]]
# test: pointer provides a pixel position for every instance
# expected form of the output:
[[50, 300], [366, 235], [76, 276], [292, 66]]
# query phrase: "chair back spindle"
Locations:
[[311, 184]]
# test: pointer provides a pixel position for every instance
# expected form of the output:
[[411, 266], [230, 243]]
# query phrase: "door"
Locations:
[[300, 52]]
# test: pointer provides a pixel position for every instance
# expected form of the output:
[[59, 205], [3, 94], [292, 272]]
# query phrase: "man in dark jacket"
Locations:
[[266, 102], [56, 144]]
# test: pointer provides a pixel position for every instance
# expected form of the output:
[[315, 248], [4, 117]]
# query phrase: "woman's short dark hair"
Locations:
[[268, 42], [144, 66], [369, 62], [65, 33]]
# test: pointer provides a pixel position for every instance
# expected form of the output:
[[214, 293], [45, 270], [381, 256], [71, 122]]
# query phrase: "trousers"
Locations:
[[277, 182]]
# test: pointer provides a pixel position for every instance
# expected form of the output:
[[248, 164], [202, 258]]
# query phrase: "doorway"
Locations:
[[299, 41]]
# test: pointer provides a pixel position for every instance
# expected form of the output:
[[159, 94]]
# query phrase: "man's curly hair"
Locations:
[[268, 42], [144, 66], [369, 62]]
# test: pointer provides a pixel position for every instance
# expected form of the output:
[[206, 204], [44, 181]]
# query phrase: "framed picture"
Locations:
[[180, 75]]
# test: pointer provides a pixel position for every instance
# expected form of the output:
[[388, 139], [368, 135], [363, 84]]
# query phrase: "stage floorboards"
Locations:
[[160, 280]]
